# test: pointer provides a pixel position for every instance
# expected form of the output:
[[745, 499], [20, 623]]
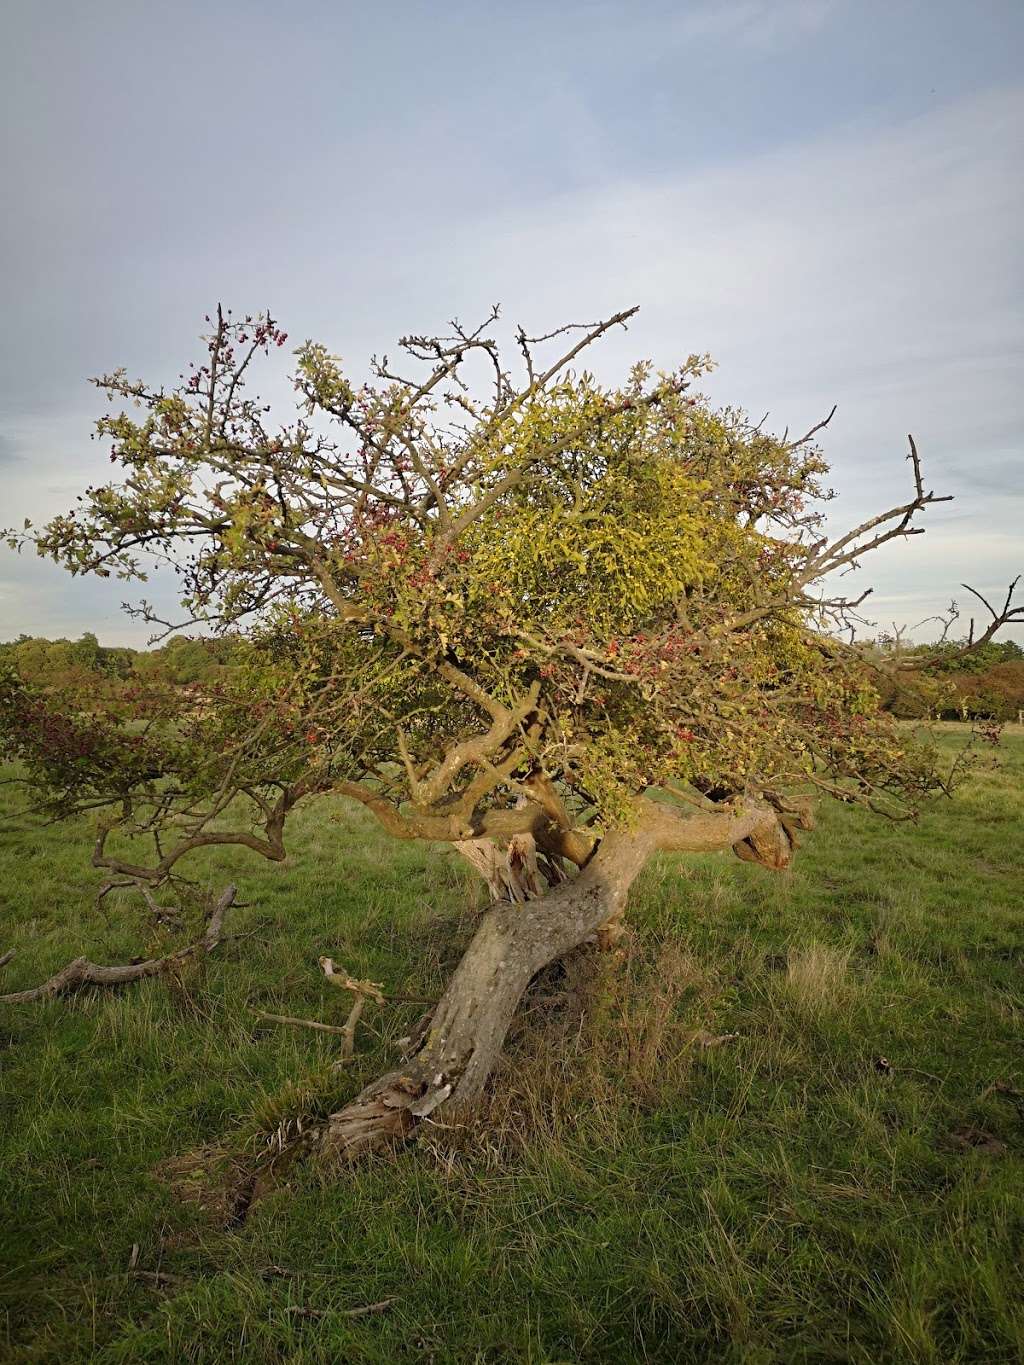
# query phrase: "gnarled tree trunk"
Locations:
[[515, 940], [467, 1031]]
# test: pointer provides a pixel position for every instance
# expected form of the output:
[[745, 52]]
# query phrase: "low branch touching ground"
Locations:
[[82, 972]]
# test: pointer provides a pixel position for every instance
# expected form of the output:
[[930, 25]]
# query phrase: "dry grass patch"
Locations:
[[818, 980], [601, 1039]]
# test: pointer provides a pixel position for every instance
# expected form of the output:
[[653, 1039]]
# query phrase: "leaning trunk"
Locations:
[[468, 1028]]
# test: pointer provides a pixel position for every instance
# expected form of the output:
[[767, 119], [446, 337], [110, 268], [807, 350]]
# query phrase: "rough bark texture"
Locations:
[[516, 939], [467, 1032]]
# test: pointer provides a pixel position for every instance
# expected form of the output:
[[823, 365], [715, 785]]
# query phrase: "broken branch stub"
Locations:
[[363, 991]]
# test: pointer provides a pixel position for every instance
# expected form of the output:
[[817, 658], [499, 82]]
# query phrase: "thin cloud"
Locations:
[[8, 450], [766, 25], [872, 261]]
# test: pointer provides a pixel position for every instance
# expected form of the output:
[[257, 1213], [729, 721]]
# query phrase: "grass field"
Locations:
[[634, 1194]]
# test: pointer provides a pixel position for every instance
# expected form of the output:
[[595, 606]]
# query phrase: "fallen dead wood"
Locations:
[[6, 957], [367, 990], [364, 992], [82, 972], [706, 1040], [365, 1308], [301, 1311], [162, 1279], [371, 989], [298, 1023]]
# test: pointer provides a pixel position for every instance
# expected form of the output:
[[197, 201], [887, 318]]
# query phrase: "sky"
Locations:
[[826, 195]]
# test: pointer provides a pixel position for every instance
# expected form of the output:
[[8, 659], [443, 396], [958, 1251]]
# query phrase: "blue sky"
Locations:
[[825, 194]]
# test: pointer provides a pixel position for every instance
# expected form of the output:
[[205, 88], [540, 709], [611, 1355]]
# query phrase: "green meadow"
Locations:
[[787, 1126]]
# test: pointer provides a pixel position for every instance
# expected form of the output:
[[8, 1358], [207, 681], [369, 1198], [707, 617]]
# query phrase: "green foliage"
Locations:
[[992, 689], [86, 664], [997, 693], [948, 657], [624, 573], [60, 663]]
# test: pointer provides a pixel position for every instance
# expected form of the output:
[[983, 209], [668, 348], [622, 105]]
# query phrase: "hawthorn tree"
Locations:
[[556, 625]]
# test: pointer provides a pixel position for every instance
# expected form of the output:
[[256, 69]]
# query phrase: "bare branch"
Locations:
[[913, 457], [818, 426], [1007, 614]]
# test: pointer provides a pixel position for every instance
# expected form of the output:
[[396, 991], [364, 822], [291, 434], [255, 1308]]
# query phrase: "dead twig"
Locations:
[[298, 1023], [366, 989], [381, 1307], [348, 1043], [364, 992], [159, 1278], [370, 988], [301, 1311], [794, 445], [706, 1040], [1008, 1092], [161, 913], [916, 1071]]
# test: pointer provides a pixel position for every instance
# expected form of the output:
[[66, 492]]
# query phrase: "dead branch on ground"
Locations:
[[82, 972]]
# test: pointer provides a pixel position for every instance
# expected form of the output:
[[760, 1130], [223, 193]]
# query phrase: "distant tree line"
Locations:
[[985, 684], [64, 664]]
